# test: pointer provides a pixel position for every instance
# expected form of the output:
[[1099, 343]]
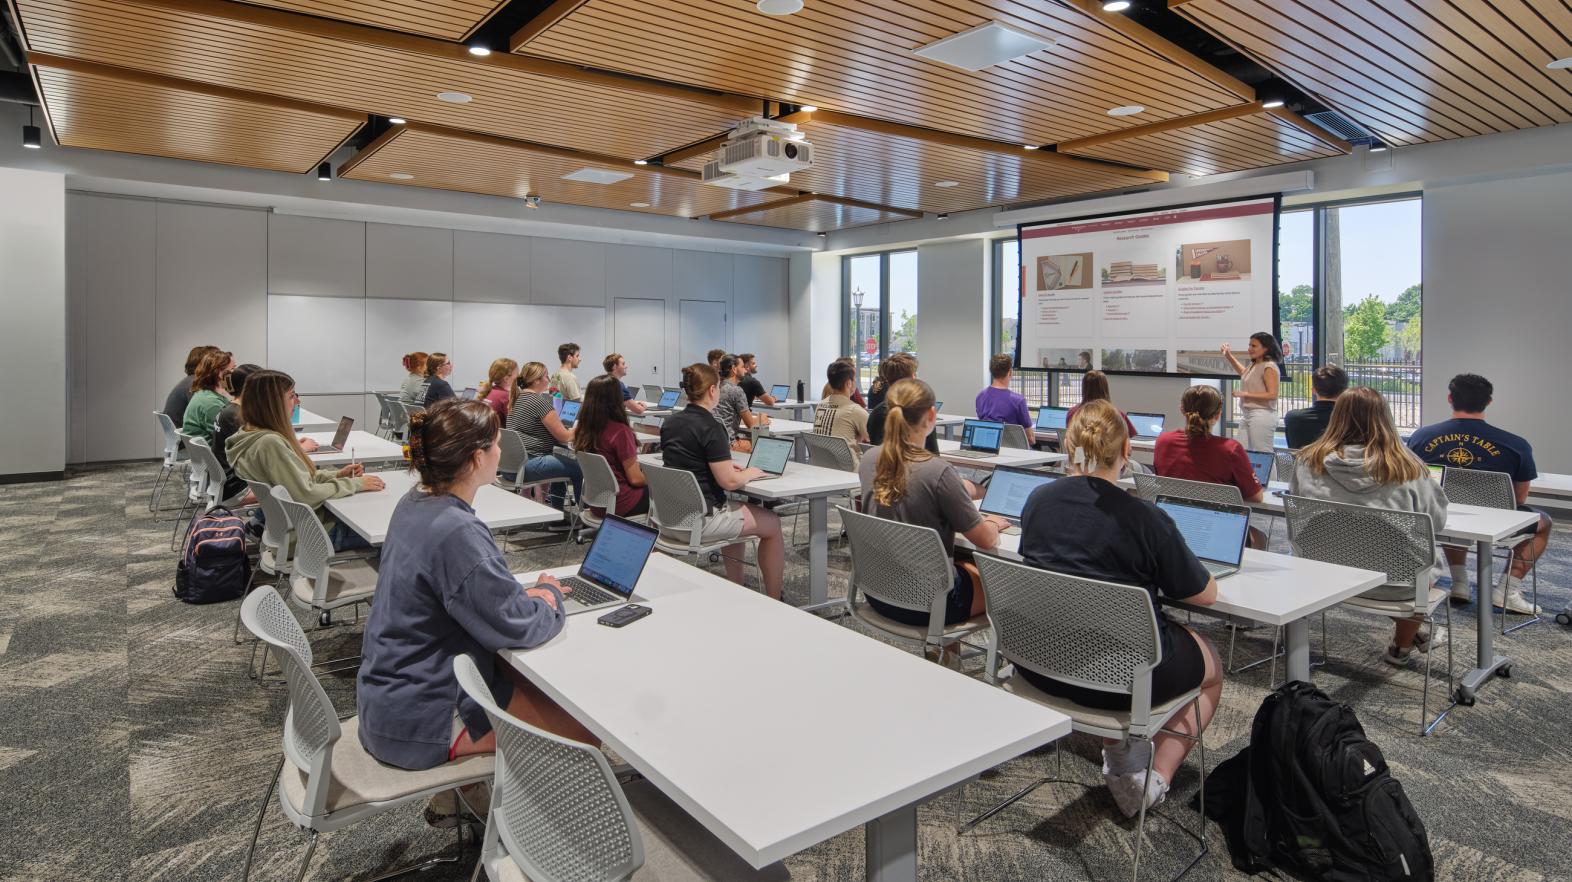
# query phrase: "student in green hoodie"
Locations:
[[207, 395], [265, 449]]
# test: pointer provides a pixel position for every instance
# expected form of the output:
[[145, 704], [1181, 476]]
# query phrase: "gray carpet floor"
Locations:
[[133, 745]]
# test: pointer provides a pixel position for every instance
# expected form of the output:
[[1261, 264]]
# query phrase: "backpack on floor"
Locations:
[[213, 565], [1311, 796]]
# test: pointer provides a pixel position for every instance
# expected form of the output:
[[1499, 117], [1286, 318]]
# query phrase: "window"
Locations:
[[879, 296], [1296, 277], [1372, 272]]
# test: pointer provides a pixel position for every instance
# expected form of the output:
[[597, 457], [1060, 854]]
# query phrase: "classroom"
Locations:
[[973, 440]]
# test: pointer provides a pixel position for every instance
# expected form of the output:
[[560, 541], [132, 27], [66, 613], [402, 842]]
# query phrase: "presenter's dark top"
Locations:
[[1306, 425], [1475, 444], [691, 439]]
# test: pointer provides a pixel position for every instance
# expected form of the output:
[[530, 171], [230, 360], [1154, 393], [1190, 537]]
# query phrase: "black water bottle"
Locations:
[[800, 396]]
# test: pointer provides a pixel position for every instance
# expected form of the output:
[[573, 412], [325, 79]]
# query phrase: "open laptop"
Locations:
[[780, 392], [770, 454], [1147, 425], [570, 412], [668, 399], [611, 567], [938, 407], [1214, 531], [1052, 419], [1008, 490], [1437, 472], [469, 393], [339, 437], [980, 439], [1261, 461]]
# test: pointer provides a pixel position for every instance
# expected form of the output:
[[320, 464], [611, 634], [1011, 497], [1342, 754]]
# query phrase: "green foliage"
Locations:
[[1365, 331], [1406, 306], [904, 337], [1298, 305], [1408, 338]]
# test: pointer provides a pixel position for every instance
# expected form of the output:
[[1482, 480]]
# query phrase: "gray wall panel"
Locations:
[[702, 275], [490, 267], [759, 303], [212, 284], [316, 257], [414, 263], [567, 273], [119, 287]]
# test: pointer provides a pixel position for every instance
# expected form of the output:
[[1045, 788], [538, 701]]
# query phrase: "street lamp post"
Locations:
[[857, 332]]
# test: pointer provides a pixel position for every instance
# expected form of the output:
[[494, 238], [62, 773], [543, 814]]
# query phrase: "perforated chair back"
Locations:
[[1478, 487], [1014, 436], [311, 725], [275, 523], [212, 471], [172, 452], [600, 482], [388, 419], [676, 502], [198, 475], [1398, 543], [903, 565], [830, 452], [1285, 461], [555, 804], [513, 456], [1085, 632], [313, 548], [1149, 487]]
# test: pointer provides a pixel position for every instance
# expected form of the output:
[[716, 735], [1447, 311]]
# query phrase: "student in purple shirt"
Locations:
[[1000, 403]]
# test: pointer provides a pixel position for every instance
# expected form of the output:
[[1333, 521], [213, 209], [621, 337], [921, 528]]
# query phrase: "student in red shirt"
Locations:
[[1195, 453], [602, 428]]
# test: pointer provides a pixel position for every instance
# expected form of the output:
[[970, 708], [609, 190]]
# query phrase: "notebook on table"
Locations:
[[611, 566], [770, 455], [345, 424], [1008, 491], [1214, 531], [980, 439]]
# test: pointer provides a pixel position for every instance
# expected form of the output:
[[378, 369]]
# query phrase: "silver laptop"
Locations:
[[1008, 491], [780, 392], [770, 454], [668, 400], [1052, 419], [339, 437], [611, 567], [1147, 425], [1261, 462], [979, 439], [1214, 531]]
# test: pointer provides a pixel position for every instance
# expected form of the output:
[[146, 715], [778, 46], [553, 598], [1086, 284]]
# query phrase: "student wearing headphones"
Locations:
[[1194, 453], [617, 367], [564, 380], [438, 369], [411, 390]]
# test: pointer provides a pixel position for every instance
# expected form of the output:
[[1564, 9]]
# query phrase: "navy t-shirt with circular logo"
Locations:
[[1475, 444]]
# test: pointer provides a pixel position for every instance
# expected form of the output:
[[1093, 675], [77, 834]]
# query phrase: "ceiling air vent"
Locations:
[[1341, 126]]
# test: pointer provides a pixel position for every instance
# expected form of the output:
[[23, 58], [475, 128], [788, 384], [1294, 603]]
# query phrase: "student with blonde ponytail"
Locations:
[[903, 482], [497, 391], [1086, 525], [1196, 453]]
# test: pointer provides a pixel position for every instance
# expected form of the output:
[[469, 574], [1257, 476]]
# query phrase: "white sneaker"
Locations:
[[1425, 641], [1128, 790], [1460, 590], [1126, 758], [1515, 602]]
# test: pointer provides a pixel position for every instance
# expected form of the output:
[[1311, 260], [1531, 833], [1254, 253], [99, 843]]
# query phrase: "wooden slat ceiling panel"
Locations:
[[1231, 145], [452, 161], [177, 40], [88, 110], [447, 19], [1411, 71], [818, 217], [855, 56], [898, 171]]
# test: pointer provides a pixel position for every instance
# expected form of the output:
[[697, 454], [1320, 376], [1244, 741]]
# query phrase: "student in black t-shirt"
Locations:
[[1466, 441], [1303, 426], [693, 440], [750, 384], [1086, 525]]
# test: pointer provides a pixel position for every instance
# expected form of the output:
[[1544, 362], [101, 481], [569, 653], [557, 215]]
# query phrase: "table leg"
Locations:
[[891, 846], [1487, 662], [1298, 639], [818, 550]]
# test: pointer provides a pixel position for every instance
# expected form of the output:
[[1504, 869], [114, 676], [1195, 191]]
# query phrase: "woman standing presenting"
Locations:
[[1257, 392]]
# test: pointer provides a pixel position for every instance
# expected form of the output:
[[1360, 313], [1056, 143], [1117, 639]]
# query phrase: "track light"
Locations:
[[325, 172], [1377, 147], [641, 162], [944, 215], [32, 138], [479, 51], [1116, 6], [532, 202], [396, 120], [824, 235], [1271, 103]]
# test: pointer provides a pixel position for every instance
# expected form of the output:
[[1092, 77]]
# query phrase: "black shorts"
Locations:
[[957, 605], [1531, 529], [1182, 669]]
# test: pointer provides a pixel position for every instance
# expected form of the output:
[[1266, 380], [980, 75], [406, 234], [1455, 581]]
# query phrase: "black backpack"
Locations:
[[1311, 796], [213, 564]]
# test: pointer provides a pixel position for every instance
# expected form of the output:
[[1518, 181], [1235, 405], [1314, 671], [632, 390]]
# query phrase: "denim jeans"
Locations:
[[345, 539], [553, 466]]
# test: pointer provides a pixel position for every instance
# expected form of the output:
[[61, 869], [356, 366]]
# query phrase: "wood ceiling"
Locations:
[[281, 84]]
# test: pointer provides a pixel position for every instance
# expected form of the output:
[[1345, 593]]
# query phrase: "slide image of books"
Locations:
[[1203, 361], [1064, 271], [1125, 273], [1074, 359], [1135, 360], [1215, 261]]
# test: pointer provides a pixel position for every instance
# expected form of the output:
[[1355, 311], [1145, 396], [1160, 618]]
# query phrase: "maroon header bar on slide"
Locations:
[[1153, 219]]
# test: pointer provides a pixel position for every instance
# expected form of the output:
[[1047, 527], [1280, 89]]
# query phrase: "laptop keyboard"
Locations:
[[1219, 569], [588, 593], [973, 454]]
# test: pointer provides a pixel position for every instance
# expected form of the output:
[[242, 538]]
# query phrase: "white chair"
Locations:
[[1149, 487], [325, 779], [600, 491], [903, 566], [1491, 490], [1014, 437], [319, 581], [210, 488], [273, 555], [514, 460], [678, 507], [1284, 462], [174, 457], [653, 392]]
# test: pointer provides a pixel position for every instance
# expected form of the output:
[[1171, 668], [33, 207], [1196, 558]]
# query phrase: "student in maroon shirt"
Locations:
[[602, 428], [1194, 453]]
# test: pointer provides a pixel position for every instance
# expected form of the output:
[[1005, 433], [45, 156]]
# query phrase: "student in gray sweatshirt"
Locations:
[[1361, 460]]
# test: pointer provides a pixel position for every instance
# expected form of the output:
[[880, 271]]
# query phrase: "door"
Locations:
[[703, 327], [639, 334]]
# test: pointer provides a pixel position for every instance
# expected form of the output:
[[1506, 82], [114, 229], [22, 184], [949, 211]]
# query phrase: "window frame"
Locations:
[[849, 346]]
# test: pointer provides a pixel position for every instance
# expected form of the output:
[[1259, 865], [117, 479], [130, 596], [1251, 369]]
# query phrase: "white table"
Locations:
[[792, 407], [311, 422], [1007, 456], [369, 514], [788, 427], [725, 742], [1551, 485], [947, 424], [359, 447]]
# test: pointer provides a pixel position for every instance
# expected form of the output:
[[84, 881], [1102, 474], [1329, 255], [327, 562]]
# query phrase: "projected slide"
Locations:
[[1152, 292]]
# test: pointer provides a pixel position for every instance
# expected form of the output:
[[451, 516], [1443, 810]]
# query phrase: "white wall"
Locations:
[[952, 325], [33, 333]]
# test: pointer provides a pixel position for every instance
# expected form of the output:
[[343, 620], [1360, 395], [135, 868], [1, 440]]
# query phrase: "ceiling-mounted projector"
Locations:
[[760, 153]]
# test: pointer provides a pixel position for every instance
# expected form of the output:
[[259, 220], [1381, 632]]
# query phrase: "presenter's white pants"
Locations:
[[1256, 427]]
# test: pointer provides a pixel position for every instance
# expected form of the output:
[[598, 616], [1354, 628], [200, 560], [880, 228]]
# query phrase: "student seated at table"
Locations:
[[1194, 453], [438, 369], [412, 391], [1467, 441], [534, 418], [443, 589], [1086, 525], [856, 393], [1361, 460], [692, 440], [1094, 387], [617, 367], [501, 379], [837, 415], [175, 403], [902, 481], [898, 367], [1002, 404], [714, 357], [750, 384], [731, 409], [209, 394], [602, 427], [228, 423], [1304, 425], [564, 380], [266, 450]]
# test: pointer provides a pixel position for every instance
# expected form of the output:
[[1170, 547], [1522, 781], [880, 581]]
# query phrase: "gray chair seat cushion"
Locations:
[[867, 615], [1094, 717], [359, 779], [1404, 607], [348, 582]]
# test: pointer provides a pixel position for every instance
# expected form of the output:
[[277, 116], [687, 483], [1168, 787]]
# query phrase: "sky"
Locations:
[[1380, 249]]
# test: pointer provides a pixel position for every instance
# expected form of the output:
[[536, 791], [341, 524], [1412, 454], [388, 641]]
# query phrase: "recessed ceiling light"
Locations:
[[946, 184], [809, 108], [397, 120], [1378, 147], [401, 176], [325, 172], [1116, 6], [455, 97], [983, 46], [590, 175], [479, 51], [1028, 146], [641, 162], [824, 235], [779, 7], [638, 205], [1560, 64], [1126, 110], [1271, 103]]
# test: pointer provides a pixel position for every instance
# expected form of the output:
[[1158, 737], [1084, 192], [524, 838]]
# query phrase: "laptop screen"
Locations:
[[981, 435], [1437, 471], [938, 407], [1147, 425], [1052, 418], [342, 435], [617, 556], [780, 392], [1215, 533], [669, 397], [1008, 490], [1261, 461], [570, 411], [771, 454]]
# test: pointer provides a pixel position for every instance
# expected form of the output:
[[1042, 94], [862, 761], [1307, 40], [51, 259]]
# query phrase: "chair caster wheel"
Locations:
[[1465, 700], [325, 619], [1504, 671], [1563, 618], [715, 557], [579, 539]]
